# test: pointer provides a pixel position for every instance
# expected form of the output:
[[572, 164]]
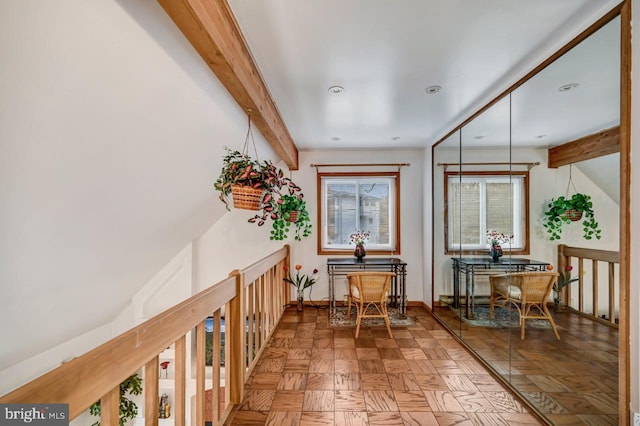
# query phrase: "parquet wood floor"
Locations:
[[310, 374], [571, 381]]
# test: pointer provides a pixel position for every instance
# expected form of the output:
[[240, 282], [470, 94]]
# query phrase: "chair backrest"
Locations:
[[535, 286], [372, 286]]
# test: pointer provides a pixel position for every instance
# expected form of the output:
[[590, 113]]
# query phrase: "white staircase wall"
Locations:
[[112, 131]]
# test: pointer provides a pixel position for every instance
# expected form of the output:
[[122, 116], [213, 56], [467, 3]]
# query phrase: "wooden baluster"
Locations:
[[251, 314], [235, 338], [151, 371], [594, 272], [580, 284], [200, 376], [612, 291], [215, 365], [179, 402], [263, 308], [258, 291], [110, 408]]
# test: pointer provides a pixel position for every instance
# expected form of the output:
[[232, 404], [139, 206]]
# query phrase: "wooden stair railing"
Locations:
[[611, 258], [256, 295]]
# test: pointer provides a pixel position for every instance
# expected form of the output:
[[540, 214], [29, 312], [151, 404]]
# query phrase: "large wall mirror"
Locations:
[[493, 179]]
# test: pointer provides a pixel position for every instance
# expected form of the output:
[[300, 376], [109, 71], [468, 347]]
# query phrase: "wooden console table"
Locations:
[[342, 266]]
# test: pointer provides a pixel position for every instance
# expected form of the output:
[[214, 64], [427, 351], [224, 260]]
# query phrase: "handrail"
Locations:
[[566, 253], [96, 374]]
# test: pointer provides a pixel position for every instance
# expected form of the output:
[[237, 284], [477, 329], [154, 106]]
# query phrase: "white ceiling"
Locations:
[[385, 53]]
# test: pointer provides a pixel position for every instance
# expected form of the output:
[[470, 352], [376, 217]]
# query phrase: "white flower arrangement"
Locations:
[[359, 237], [494, 238]]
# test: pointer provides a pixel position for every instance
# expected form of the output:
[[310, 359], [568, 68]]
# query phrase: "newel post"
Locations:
[[235, 329], [563, 262]]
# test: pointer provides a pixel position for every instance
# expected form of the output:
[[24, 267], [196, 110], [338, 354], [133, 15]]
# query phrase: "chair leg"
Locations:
[[550, 318], [349, 308], [523, 314], [359, 319], [491, 302], [386, 320]]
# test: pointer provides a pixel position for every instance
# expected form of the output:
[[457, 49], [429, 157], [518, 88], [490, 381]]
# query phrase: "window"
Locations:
[[358, 201], [479, 202]]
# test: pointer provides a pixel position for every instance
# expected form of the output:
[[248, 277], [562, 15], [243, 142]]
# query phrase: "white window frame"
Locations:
[[520, 214], [392, 179]]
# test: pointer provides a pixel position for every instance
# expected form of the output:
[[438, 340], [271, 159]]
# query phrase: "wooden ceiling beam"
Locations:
[[591, 146], [213, 31]]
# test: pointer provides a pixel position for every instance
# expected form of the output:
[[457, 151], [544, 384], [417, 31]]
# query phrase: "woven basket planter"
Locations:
[[293, 216], [573, 215], [246, 197]]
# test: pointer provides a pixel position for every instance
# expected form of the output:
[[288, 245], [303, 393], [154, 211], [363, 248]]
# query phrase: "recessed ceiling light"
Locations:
[[395, 138], [335, 138], [568, 87], [336, 90], [433, 89], [541, 136], [478, 137]]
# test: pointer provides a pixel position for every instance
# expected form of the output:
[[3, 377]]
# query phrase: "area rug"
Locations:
[[340, 319], [502, 318]]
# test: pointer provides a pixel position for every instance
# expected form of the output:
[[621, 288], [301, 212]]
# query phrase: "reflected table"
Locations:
[[344, 265], [471, 266]]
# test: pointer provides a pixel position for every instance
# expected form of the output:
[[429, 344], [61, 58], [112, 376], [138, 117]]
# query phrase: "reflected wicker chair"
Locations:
[[528, 292], [369, 292]]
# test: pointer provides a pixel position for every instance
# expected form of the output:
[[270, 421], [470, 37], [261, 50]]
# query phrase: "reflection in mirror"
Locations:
[[572, 379], [472, 184], [575, 97]]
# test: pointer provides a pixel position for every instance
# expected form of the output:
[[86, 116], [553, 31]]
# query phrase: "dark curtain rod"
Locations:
[[362, 165], [529, 165]]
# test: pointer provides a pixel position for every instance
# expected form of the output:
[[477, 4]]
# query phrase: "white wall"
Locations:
[[411, 190], [232, 243], [544, 184], [111, 136], [427, 219]]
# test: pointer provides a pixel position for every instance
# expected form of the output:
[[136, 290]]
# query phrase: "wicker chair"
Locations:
[[527, 291], [369, 292]]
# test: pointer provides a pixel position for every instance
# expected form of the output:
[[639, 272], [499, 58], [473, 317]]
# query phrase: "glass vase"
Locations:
[[300, 306]]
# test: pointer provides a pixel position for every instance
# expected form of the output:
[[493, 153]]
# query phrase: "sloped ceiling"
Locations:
[[605, 173]]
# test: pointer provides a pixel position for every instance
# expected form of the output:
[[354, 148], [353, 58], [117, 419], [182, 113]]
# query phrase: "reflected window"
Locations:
[[476, 203], [354, 201]]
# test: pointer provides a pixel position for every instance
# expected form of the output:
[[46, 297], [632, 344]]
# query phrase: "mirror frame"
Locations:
[[623, 10]]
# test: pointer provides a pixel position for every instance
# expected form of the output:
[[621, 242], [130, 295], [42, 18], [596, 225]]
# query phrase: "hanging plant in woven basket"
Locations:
[[244, 179], [566, 209], [287, 211], [255, 185]]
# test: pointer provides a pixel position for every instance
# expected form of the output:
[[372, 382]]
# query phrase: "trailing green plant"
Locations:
[[556, 216], [132, 385], [282, 214], [280, 207], [240, 169]]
